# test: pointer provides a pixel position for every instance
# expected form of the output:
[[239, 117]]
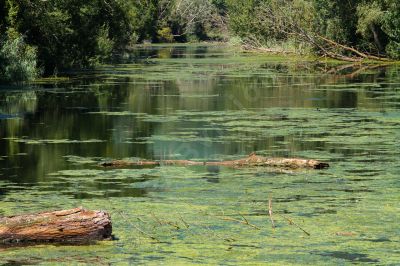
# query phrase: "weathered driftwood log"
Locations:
[[252, 160], [75, 226]]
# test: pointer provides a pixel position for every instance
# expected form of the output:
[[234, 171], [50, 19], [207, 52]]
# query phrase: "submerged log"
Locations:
[[75, 226], [252, 160]]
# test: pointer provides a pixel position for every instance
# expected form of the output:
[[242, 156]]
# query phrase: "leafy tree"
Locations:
[[165, 35], [70, 33], [241, 17], [391, 26], [336, 19], [336, 28], [191, 19], [17, 60]]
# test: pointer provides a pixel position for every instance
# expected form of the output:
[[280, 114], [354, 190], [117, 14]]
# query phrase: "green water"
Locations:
[[206, 102]]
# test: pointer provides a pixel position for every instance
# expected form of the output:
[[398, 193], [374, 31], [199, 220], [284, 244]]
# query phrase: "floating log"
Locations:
[[252, 160], [74, 226]]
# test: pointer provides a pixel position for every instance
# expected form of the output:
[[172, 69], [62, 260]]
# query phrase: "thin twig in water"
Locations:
[[183, 221], [165, 222], [173, 224], [247, 222], [157, 220], [140, 220], [241, 221], [293, 223], [137, 228], [270, 212]]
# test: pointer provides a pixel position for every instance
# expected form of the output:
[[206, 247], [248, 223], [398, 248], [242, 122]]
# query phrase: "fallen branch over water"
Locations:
[[292, 28], [252, 160], [75, 226]]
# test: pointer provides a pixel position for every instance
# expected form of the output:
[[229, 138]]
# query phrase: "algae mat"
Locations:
[[208, 102]]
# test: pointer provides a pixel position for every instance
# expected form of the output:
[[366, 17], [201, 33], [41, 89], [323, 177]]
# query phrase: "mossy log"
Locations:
[[74, 226], [252, 160]]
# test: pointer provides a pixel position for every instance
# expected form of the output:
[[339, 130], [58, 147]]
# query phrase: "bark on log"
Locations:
[[74, 226], [252, 160]]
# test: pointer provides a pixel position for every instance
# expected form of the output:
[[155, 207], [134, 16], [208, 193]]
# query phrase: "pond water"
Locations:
[[209, 102]]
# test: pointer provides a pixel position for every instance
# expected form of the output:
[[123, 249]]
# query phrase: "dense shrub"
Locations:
[[165, 35], [391, 26], [17, 60], [70, 33]]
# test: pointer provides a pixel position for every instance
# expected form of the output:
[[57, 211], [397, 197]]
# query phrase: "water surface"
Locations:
[[205, 102]]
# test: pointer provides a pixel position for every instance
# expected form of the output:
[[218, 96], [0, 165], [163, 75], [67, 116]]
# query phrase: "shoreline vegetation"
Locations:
[[44, 38]]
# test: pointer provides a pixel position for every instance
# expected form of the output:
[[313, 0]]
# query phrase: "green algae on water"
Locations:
[[205, 102]]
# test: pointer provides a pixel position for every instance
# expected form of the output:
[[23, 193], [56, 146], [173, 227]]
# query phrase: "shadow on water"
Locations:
[[349, 256]]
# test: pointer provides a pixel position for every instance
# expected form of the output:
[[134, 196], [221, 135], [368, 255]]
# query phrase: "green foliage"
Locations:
[[240, 15], [221, 6], [17, 60], [77, 34], [336, 20], [391, 26], [194, 20], [105, 45], [261, 23], [370, 26], [165, 35], [369, 15], [142, 16], [70, 33]]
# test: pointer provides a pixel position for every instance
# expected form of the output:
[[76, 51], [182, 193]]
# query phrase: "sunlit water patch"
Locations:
[[203, 102]]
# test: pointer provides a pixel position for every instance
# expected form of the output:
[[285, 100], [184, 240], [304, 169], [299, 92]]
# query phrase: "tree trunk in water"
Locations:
[[75, 226], [252, 161]]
